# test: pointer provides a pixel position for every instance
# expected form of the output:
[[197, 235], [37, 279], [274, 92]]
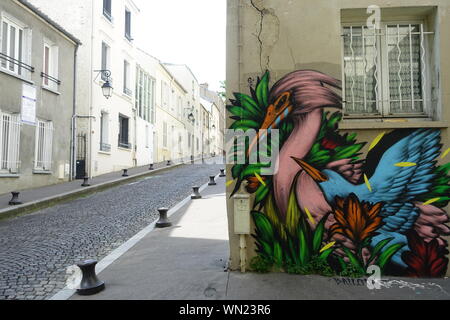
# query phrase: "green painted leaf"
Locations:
[[348, 152], [304, 253], [262, 91], [293, 212], [354, 260], [261, 194], [318, 236], [377, 249], [386, 256], [277, 254], [263, 226], [324, 255]]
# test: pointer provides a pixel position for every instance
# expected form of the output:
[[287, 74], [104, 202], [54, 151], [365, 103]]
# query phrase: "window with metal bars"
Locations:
[[9, 143], [107, 9], [44, 146], [385, 71]]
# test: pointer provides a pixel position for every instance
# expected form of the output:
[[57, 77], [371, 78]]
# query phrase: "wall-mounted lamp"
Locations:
[[107, 88]]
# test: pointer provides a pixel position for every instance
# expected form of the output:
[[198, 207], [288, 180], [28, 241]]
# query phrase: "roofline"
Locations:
[[182, 65], [47, 19]]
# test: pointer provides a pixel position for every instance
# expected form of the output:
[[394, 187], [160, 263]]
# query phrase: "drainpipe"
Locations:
[[74, 112]]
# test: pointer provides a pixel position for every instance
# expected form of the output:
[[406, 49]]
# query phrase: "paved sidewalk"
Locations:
[[40, 197], [188, 260]]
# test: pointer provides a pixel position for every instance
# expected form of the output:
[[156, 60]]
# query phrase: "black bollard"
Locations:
[[222, 173], [15, 199], [196, 194], [90, 284], [151, 167], [125, 173], [85, 182], [169, 163], [192, 159], [212, 181], [163, 221]]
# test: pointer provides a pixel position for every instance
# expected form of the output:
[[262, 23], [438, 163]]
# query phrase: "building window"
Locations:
[[107, 9], [147, 136], [165, 94], [145, 102], [123, 132], [105, 59], [50, 66], [104, 132], [128, 25], [44, 146], [126, 78], [12, 50], [9, 143], [385, 71], [164, 134]]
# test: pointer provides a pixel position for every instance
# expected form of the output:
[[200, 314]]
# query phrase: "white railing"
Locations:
[[9, 143]]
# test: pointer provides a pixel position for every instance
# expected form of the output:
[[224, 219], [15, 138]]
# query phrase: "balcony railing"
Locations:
[[105, 147], [107, 14], [5, 58], [53, 79]]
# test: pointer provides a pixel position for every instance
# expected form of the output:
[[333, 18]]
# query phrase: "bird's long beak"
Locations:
[[317, 175], [276, 113]]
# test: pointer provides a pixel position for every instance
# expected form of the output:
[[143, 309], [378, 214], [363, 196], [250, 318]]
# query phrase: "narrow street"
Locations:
[[36, 249]]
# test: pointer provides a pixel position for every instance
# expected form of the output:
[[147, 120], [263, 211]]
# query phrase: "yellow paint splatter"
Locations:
[[328, 246], [229, 183], [367, 183], [445, 153], [376, 140], [310, 217], [260, 179], [431, 201], [405, 164]]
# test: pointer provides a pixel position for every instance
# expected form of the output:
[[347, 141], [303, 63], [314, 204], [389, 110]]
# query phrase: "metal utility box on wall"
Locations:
[[242, 214]]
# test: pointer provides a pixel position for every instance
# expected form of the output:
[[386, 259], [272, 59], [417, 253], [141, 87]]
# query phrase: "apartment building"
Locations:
[[37, 65], [109, 126], [217, 114], [390, 58]]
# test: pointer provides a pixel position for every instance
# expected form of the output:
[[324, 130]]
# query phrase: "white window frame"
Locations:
[[9, 150], [53, 60], [382, 72], [23, 55], [105, 146], [43, 154], [165, 135]]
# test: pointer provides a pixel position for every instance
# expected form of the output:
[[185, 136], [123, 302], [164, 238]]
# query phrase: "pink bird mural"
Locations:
[[326, 210]]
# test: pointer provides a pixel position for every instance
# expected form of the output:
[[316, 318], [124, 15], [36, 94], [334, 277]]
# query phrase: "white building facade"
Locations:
[[115, 133]]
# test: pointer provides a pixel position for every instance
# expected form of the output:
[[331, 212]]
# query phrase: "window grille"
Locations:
[[385, 71], [44, 146], [9, 143]]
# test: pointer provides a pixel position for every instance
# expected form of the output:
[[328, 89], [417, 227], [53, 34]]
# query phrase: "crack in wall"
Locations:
[[258, 36], [268, 33]]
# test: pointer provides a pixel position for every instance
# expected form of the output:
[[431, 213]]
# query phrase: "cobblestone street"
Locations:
[[36, 249]]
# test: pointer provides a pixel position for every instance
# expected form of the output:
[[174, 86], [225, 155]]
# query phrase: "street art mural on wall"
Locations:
[[328, 210]]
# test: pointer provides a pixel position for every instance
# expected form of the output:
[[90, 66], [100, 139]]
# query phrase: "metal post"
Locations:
[[125, 173], [151, 167], [196, 194], [85, 182], [15, 199], [163, 221], [90, 284], [212, 181], [222, 173]]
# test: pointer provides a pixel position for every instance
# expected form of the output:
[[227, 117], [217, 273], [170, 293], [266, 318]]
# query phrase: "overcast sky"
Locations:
[[190, 32]]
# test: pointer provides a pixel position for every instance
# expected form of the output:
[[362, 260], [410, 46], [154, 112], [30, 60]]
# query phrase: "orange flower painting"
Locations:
[[356, 220]]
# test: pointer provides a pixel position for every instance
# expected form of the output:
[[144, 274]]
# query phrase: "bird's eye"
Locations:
[[282, 101]]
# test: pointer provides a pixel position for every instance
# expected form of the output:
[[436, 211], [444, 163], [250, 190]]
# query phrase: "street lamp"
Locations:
[[107, 88]]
